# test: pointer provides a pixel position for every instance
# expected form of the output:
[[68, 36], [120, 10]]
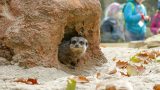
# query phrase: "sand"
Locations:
[[53, 79]]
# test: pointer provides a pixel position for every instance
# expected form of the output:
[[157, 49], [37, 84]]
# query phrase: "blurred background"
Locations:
[[151, 7]]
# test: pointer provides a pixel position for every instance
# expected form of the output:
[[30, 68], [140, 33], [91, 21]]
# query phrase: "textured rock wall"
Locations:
[[33, 29]]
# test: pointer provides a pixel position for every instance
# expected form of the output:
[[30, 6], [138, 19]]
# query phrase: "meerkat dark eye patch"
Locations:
[[86, 44], [73, 42], [81, 42]]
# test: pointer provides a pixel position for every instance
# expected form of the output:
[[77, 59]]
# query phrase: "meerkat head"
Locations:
[[78, 45]]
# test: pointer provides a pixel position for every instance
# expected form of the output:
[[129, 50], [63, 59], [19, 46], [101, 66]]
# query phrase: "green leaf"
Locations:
[[135, 59], [158, 59], [131, 70], [71, 84]]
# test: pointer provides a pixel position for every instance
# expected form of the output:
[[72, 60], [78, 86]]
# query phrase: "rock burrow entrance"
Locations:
[[35, 29]]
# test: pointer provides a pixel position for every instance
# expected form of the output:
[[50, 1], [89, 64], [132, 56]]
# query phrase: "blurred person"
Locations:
[[112, 28], [155, 23], [136, 17]]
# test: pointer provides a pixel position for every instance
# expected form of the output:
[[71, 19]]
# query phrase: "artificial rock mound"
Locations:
[[34, 29]]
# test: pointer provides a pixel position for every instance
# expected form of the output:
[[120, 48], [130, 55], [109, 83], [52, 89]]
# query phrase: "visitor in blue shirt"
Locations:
[[135, 16]]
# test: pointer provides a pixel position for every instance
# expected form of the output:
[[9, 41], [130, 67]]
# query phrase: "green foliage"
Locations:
[[158, 59], [135, 59], [71, 84]]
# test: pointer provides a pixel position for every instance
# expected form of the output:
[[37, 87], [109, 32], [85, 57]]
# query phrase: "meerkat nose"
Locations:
[[76, 46]]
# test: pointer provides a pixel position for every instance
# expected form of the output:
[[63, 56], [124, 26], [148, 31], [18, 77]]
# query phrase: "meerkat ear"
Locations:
[[70, 41]]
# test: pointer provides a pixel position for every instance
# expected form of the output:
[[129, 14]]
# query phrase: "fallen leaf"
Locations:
[[99, 85], [132, 70], [34, 81], [103, 86], [121, 64], [122, 73], [113, 71], [158, 59], [81, 79], [98, 75], [30, 81], [22, 80], [135, 59], [114, 59], [144, 56], [146, 62], [156, 87], [110, 87], [71, 84], [143, 53], [140, 68], [152, 55]]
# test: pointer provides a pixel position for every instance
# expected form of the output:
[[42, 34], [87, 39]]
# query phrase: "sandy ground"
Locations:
[[53, 79]]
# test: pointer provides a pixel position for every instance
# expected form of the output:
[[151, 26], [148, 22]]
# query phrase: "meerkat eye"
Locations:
[[73, 42], [81, 42], [86, 44]]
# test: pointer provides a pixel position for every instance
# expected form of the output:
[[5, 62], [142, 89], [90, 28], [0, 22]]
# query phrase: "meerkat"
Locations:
[[71, 51]]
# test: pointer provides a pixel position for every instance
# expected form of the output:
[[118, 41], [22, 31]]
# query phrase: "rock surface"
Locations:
[[34, 29], [153, 41]]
